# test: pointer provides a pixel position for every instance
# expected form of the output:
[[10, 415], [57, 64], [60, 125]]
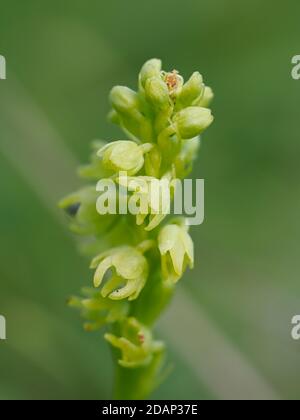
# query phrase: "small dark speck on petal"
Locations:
[[73, 209]]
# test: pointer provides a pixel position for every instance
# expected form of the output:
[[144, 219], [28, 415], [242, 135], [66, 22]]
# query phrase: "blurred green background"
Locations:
[[229, 328]]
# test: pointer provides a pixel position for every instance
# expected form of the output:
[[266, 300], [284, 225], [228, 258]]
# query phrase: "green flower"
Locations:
[[84, 218], [191, 90], [205, 100], [157, 93], [150, 198], [128, 272], [177, 251], [124, 100], [151, 68], [136, 344], [124, 156], [128, 113], [97, 310], [192, 121]]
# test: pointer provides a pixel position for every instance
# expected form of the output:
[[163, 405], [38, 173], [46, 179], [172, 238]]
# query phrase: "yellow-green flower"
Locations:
[[191, 90], [157, 93], [97, 310], [129, 114], [84, 218], [150, 69], [136, 344], [124, 99], [150, 199], [124, 156], [128, 272], [177, 251], [192, 121], [205, 100]]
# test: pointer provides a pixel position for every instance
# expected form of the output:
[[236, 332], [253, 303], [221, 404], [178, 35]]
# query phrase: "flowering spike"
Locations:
[[138, 257]]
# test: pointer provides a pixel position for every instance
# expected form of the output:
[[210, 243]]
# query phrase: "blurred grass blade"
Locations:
[[33, 146], [212, 356]]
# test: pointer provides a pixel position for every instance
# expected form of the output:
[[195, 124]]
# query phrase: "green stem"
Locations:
[[138, 383]]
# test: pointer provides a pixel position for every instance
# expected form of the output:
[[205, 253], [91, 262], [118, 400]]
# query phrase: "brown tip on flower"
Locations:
[[141, 338], [172, 80]]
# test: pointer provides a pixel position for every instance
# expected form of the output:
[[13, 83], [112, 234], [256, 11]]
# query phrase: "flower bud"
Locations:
[[206, 99], [157, 93], [128, 265], [192, 121], [191, 90], [123, 99], [136, 344], [124, 156], [127, 105], [150, 68], [177, 251]]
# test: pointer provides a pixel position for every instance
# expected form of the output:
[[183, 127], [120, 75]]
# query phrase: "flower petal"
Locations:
[[129, 263], [167, 238], [189, 248], [111, 285], [177, 254], [125, 291], [101, 270]]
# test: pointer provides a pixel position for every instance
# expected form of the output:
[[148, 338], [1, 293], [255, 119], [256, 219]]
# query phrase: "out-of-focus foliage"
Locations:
[[62, 60]]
